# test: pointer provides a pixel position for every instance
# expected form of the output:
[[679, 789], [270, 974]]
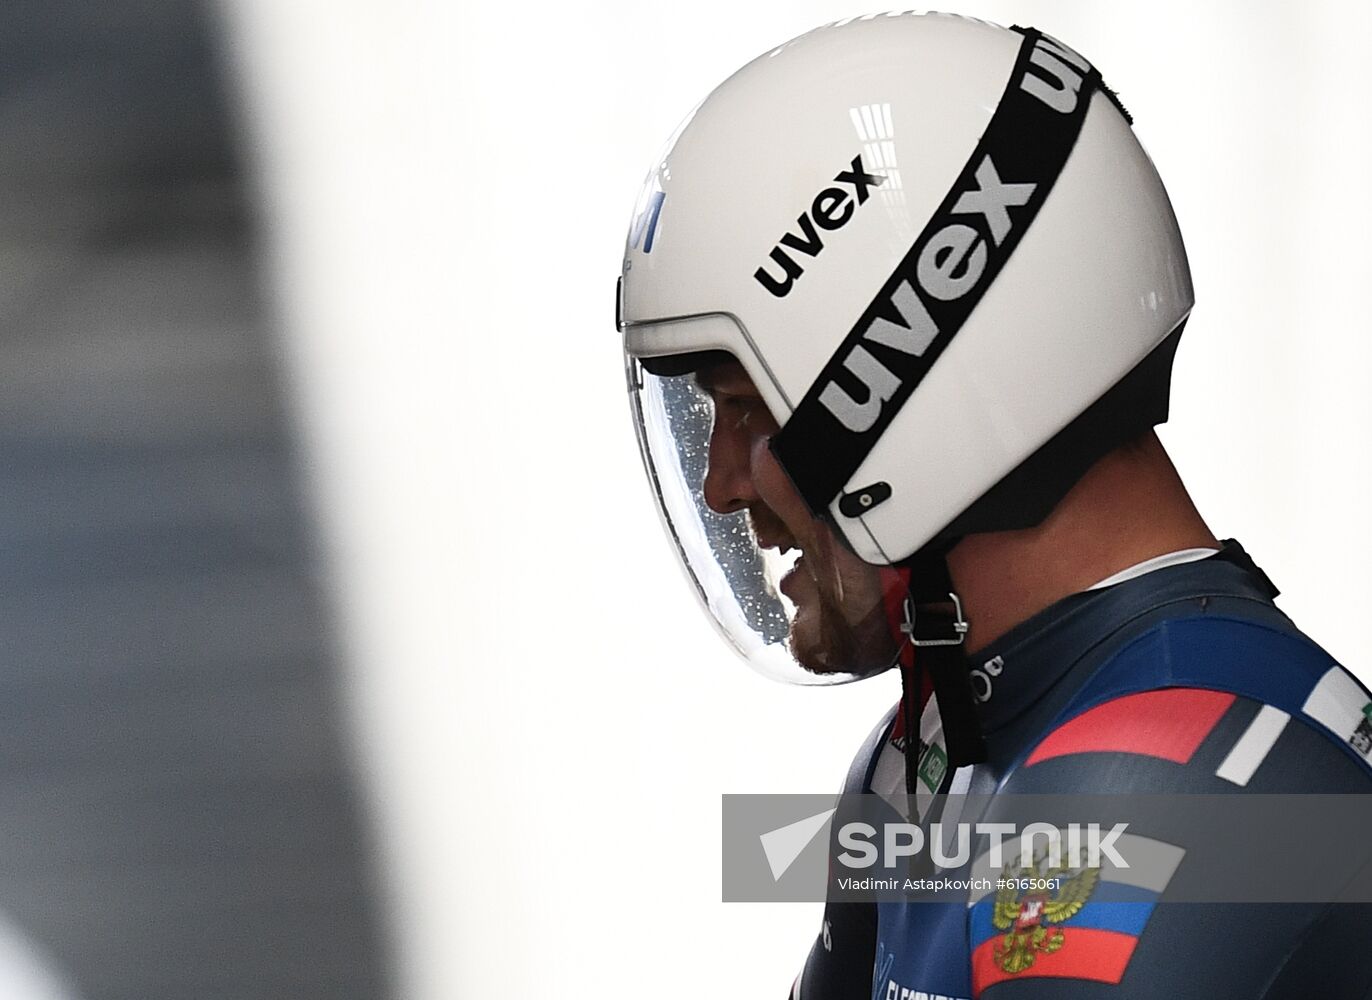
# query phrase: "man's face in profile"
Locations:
[[840, 622]]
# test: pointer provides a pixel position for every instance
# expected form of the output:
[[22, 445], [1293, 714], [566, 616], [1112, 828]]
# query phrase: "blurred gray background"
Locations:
[[177, 817]]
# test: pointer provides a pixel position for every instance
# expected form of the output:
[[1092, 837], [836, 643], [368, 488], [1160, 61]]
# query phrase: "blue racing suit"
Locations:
[[1187, 679]]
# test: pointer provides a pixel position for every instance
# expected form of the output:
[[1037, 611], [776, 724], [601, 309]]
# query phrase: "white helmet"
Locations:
[[951, 271]]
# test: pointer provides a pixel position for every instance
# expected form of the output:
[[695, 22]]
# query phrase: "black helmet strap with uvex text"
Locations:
[[949, 267], [896, 341]]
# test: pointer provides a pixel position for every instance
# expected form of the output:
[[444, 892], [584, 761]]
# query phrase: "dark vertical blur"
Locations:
[[177, 818]]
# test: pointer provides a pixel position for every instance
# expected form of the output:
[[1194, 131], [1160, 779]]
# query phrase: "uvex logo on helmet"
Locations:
[[951, 259], [831, 209], [933, 290]]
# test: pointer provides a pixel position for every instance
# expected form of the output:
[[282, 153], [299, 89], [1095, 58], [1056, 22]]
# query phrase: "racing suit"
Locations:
[[1186, 679]]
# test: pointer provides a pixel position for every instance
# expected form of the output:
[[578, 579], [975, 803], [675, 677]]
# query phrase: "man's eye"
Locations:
[[739, 409]]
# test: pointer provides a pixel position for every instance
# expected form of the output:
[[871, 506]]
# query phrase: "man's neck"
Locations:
[[1130, 506]]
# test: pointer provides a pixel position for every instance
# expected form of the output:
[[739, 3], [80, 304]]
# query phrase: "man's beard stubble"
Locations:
[[838, 627]]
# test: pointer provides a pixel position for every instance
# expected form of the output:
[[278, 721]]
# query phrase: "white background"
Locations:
[[544, 719]]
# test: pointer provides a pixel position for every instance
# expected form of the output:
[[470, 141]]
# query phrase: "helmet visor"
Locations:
[[781, 587]]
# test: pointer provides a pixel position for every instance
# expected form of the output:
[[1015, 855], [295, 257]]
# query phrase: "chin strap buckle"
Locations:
[[946, 630]]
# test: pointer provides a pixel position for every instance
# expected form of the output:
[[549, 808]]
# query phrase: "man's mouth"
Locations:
[[770, 531], [774, 537], [793, 576], [783, 542], [782, 545]]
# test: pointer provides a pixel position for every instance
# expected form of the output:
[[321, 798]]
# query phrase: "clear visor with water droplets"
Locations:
[[785, 592]]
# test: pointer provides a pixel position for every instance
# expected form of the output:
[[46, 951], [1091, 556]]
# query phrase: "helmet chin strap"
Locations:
[[932, 621]]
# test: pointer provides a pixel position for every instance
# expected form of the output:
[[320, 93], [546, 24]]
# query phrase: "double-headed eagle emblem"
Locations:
[[1028, 916]]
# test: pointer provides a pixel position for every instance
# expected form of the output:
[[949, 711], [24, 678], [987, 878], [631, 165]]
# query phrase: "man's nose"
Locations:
[[729, 475]]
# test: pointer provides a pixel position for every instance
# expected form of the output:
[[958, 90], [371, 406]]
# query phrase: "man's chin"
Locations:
[[812, 646], [825, 644]]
